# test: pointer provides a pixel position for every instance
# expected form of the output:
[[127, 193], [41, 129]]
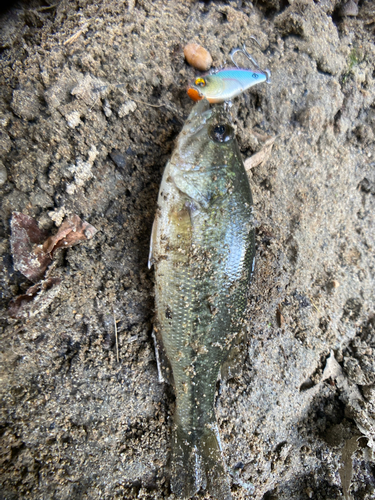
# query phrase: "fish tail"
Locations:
[[197, 463]]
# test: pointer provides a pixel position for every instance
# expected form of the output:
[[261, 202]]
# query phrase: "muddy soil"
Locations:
[[93, 95]]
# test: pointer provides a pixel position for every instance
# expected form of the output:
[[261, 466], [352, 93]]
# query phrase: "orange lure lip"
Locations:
[[194, 94]]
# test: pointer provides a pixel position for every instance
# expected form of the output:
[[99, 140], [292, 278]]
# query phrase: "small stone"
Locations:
[[25, 104], [3, 173], [71, 188], [82, 172], [41, 199], [4, 119], [93, 153], [73, 119], [126, 108], [5, 143], [89, 89], [118, 158], [58, 215], [350, 8], [309, 492], [197, 56], [107, 109]]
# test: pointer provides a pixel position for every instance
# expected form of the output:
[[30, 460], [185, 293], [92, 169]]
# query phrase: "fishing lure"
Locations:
[[224, 84]]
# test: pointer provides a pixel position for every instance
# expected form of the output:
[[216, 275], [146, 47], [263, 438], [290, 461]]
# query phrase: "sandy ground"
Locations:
[[92, 98]]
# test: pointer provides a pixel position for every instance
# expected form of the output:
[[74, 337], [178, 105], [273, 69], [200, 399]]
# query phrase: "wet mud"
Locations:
[[92, 99]]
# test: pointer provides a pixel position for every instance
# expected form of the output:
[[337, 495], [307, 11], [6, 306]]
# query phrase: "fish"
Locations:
[[225, 84], [202, 248]]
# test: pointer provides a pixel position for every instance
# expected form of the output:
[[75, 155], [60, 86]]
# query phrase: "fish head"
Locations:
[[206, 139], [207, 86], [206, 126]]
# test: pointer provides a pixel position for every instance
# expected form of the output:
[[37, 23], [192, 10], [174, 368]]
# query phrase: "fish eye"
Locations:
[[221, 132], [201, 82]]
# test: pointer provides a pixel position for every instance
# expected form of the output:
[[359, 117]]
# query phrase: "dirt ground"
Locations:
[[93, 95]]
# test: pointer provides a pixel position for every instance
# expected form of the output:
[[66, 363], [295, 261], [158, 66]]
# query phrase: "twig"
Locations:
[[114, 320], [170, 107], [74, 37], [316, 307], [148, 104], [261, 156], [158, 363], [42, 9]]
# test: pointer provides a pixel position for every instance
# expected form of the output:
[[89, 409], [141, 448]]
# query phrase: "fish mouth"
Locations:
[[199, 117], [203, 116], [195, 137], [199, 108]]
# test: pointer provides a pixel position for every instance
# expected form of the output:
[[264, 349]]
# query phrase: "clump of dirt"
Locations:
[[92, 98]]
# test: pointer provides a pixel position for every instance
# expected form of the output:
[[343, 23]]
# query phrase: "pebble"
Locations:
[[41, 199], [198, 57], [5, 143], [3, 173], [127, 108], [118, 158], [350, 8], [25, 104], [73, 119]]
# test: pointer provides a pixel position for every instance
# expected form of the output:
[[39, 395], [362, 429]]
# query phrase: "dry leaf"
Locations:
[[32, 257], [28, 255], [279, 318], [36, 298], [261, 156], [71, 232]]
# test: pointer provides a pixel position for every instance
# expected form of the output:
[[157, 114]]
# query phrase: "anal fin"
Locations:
[[164, 369]]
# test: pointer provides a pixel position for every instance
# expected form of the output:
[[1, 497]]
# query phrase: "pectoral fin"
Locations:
[[188, 183]]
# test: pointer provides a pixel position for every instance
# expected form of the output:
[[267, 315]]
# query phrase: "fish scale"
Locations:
[[203, 250]]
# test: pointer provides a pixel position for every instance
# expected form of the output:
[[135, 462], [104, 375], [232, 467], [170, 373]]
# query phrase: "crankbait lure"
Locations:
[[226, 83]]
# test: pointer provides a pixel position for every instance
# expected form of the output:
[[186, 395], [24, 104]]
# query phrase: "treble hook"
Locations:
[[243, 50]]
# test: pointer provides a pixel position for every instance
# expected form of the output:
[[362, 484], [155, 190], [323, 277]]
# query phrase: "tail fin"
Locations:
[[197, 463]]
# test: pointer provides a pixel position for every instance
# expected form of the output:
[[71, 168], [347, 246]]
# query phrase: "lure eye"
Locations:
[[222, 133], [200, 82]]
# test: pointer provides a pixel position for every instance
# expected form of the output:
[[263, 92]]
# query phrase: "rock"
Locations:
[[39, 198], [127, 108], [23, 175], [25, 104], [3, 173], [5, 143], [350, 8], [198, 57]]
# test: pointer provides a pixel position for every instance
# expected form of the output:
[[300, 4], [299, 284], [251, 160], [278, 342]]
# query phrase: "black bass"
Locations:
[[202, 247]]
